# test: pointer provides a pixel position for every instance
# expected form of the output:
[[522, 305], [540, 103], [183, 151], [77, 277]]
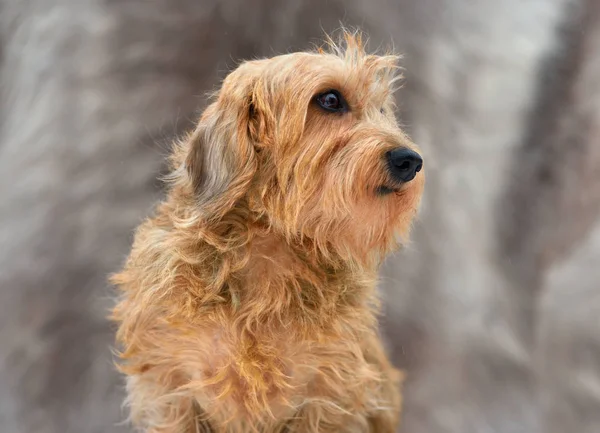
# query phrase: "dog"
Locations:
[[248, 301]]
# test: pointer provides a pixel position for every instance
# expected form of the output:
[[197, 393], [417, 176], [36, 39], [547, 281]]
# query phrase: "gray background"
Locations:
[[494, 308]]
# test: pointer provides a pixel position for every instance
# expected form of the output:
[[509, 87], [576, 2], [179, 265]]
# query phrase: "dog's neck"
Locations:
[[296, 280], [243, 265], [257, 266]]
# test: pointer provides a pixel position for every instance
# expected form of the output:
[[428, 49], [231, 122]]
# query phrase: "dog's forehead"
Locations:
[[363, 76], [301, 63]]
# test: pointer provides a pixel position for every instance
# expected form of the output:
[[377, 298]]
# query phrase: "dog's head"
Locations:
[[309, 143]]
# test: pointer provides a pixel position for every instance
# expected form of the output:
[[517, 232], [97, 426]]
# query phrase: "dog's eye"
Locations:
[[332, 101]]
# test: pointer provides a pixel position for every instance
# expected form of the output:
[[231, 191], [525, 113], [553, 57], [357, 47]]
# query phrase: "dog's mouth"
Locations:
[[384, 190]]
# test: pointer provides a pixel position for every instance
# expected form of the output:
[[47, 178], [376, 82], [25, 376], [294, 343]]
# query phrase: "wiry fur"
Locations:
[[248, 300]]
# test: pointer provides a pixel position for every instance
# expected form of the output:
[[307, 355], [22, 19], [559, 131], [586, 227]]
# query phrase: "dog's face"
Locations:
[[309, 142]]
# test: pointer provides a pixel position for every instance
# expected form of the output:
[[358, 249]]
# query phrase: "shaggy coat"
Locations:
[[248, 301]]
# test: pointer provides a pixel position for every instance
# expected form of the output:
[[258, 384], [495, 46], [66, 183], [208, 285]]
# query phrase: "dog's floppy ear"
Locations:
[[221, 160]]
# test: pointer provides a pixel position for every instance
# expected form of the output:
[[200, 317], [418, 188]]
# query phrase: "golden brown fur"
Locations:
[[248, 300]]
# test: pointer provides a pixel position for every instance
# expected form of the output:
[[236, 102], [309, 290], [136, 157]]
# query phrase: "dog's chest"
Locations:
[[265, 381]]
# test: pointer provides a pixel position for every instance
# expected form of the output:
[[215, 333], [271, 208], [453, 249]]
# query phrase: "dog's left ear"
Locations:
[[221, 160]]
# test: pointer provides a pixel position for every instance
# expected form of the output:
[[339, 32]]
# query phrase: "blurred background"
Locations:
[[494, 308]]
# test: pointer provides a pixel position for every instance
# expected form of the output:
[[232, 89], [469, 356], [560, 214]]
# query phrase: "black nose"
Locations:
[[404, 164]]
